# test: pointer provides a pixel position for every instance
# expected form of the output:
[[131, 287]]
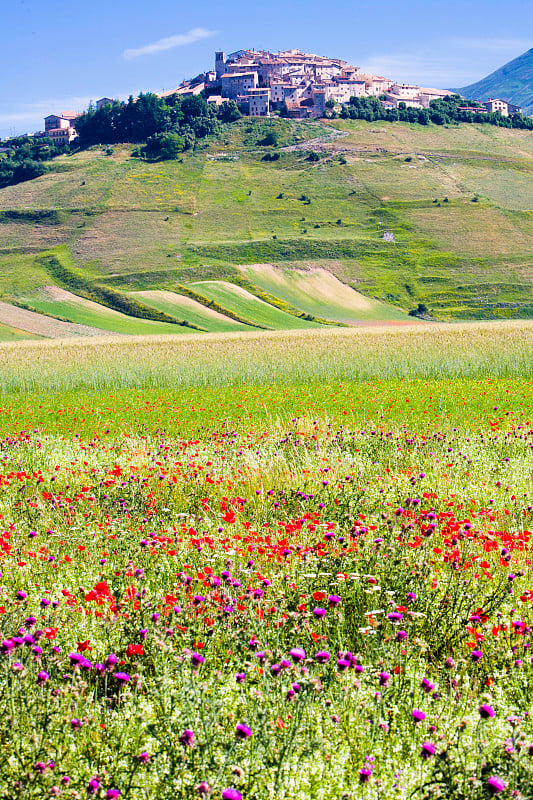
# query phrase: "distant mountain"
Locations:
[[512, 82]]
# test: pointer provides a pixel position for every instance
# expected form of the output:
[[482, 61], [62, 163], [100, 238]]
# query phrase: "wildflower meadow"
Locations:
[[251, 590]]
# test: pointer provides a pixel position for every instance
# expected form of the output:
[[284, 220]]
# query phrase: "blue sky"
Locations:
[[58, 55]]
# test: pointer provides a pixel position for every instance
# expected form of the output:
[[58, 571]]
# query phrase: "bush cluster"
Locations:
[[440, 112], [24, 158], [168, 125]]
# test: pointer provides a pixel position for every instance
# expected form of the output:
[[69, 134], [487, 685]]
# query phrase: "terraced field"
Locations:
[[318, 292], [185, 307], [29, 324], [57, 302], [246, 305]]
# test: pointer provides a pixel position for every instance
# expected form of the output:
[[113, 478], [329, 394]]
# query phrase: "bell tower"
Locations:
[[220, 63]]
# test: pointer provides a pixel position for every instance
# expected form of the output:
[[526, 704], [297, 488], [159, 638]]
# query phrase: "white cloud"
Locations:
[[452, 62], [168, 43]]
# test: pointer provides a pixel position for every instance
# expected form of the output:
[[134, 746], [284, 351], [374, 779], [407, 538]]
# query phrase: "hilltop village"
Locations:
[[300, 85]]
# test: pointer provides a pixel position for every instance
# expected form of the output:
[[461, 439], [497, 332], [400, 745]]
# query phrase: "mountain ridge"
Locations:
[[512, 82]]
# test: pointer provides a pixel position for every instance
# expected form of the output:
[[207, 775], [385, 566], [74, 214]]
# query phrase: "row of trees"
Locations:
[[441, 112], [25, 158], [173, 122]]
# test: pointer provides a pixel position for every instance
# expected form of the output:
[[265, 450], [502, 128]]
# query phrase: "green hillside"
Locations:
[[512, 82], [402, 214]]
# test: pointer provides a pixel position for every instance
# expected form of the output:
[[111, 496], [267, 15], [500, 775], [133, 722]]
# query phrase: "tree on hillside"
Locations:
[[229, 111], [164, 146]]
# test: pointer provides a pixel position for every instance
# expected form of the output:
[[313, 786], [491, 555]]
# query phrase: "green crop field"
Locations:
[[319, 293], [246, 305], [68, 306], [277, 564], [186, 308], [404, 214]]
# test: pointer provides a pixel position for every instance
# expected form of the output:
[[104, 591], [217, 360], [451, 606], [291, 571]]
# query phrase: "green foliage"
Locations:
[[147, 116], [229, 111], [271, 157], [441, 112], [25, 159], [420, 311], [271, 139], [164, 146]]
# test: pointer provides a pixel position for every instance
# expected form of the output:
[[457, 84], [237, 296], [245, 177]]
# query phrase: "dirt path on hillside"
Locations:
[[319, 141], [51, 328]]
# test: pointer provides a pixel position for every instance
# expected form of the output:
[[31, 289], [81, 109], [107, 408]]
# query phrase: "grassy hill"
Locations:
[[390, 215], [512, 82]]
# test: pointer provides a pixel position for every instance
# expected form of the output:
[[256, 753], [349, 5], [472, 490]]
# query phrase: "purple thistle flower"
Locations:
[[240, 677], [401, 636], [242, 731], [40, 767], [428, 750], [319, 612], [111, 661], [144, 757], [297, 654], [495, 785], [486, 711], [93, 786], [395, 616], [20, 595], [231, 794], [6, 646], [112, 794], [322, 656], [121, 677], [417, 715], [384, 678], [42, 677], [187, 738], [427, 686], [364, 775], [476, 655], [342, 664], [197, 659], [203, 788], [334, 600]]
